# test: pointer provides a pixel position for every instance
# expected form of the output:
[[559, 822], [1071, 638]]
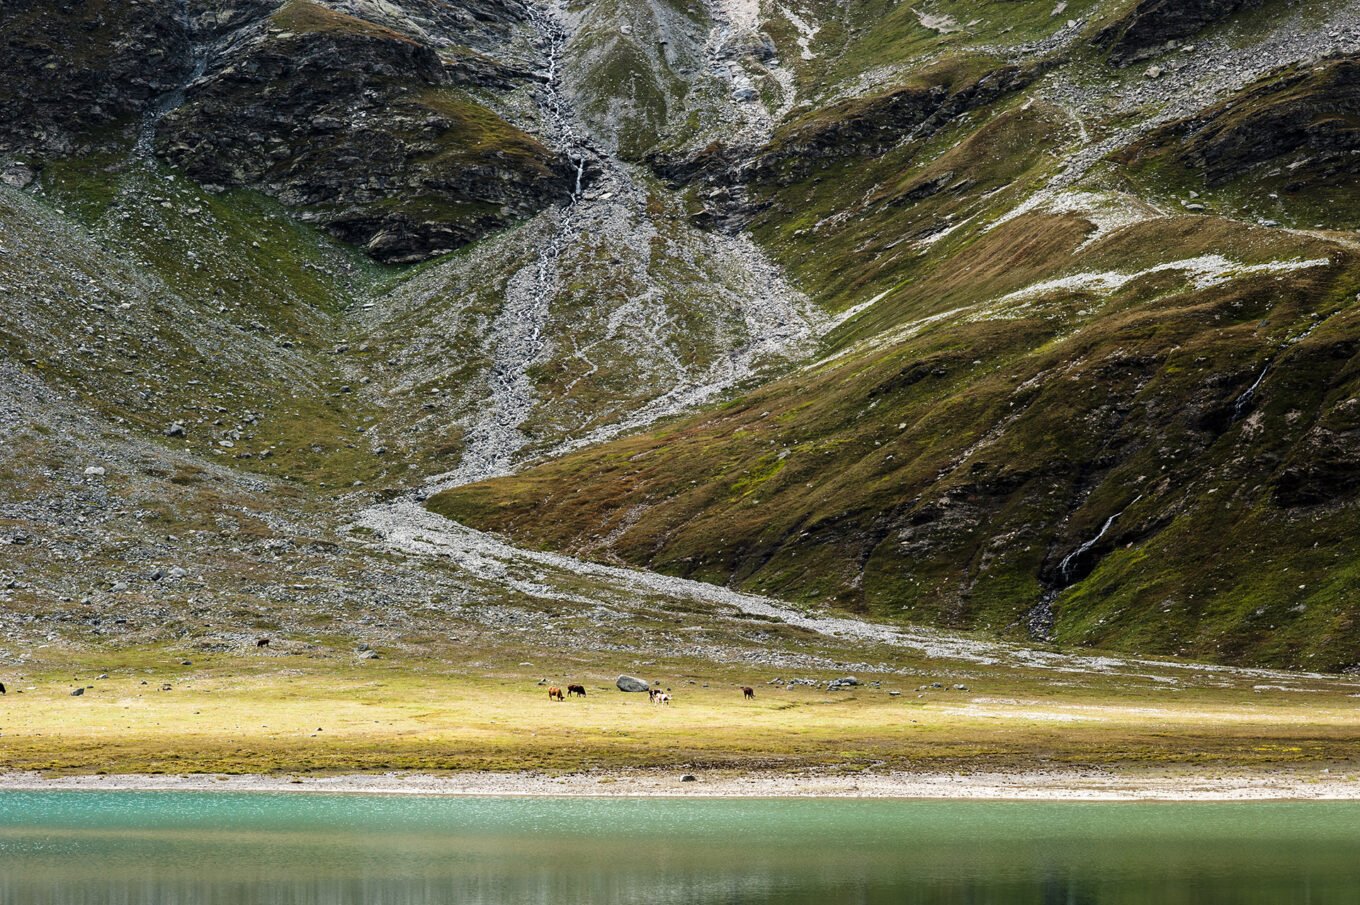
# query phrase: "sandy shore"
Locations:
[[1313, 785]]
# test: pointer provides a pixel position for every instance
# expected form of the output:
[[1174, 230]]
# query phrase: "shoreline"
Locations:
[[1050, 786]]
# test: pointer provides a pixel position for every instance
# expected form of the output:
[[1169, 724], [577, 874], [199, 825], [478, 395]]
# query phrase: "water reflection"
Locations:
[[228, 849]]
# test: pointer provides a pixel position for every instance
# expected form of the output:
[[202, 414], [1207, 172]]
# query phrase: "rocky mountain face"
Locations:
[[360, 124], [1035, 318], [79, 76], [360, 128], [1306, 118]]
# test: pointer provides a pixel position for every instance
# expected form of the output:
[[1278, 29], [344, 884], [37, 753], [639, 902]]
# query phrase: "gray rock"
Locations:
[[629, 683], [17, 175], [175, 430], [95, 471], [77, 693], [689, 777]]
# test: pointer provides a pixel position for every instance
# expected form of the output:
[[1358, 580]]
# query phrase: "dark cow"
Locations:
[[261, 642], [576, 689], [555, 694], [748, 693], [2, 687]]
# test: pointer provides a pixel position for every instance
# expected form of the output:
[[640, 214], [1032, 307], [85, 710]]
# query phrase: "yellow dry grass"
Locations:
[[233, 714]]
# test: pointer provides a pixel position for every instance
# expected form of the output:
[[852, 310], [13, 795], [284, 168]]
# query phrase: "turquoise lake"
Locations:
[[242, 849]]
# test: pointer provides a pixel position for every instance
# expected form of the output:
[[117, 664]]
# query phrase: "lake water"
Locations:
[[129, 848]]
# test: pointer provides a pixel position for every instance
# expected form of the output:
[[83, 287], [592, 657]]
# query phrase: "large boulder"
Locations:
[[629, 683]]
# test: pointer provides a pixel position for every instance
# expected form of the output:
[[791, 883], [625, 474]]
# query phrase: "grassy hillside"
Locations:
[[1086, 389]]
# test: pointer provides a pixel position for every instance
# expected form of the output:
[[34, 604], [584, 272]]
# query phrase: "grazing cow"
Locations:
[[576, 689], [261, 642], [663, 698], [2, 687], [555, 694], [748, 693]]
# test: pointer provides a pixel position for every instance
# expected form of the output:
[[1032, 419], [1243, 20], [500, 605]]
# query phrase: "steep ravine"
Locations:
[[494, 439], [610, 208]]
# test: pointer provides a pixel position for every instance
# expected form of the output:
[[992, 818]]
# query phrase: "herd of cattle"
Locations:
[[654, 695]]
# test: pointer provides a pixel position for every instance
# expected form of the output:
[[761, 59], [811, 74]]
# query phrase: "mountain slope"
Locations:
[[1081, 395], [1027, 317]]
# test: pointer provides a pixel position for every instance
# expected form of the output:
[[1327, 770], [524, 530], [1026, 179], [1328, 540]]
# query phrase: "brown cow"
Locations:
[[555, 694], [748, 693], [261, 642], [576, 689]]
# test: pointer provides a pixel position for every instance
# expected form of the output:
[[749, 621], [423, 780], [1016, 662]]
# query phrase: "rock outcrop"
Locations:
[[78, 76], [1313, 112], [1156, 25], [350, 113], [861, 127], [868, 126], [358, 126]]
